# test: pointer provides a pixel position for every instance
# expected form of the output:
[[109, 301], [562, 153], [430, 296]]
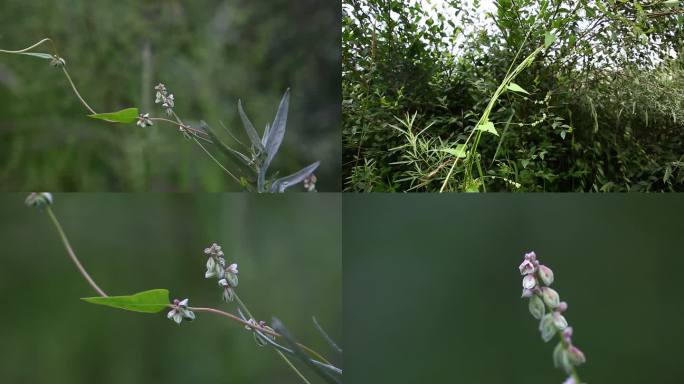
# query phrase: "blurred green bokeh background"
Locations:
[[209, 53], [288, 249], [435, 289]]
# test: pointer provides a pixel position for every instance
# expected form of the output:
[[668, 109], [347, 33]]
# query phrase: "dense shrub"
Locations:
[[596, 107]]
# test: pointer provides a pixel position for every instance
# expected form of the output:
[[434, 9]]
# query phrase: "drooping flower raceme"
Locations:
[[545, 305], [179, 311], [165, 98], [216, 267]]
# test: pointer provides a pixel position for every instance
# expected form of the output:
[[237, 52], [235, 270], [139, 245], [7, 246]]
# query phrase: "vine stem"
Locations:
[[102, 293], [233, 317], [72, 254], [194, 133], [311, 351], [301, 376], [76, 91]]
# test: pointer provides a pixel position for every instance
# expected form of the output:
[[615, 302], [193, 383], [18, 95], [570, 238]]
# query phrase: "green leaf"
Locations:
[[473, 186], [516, 88], [549, 38], [459, 152], [125, 116], [152, 301], [487, 126], [45, 56]]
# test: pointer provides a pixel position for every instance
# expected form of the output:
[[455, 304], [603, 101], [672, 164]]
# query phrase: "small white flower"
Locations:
[[180, 311], [231, 273], [233, 269], [168, 101]]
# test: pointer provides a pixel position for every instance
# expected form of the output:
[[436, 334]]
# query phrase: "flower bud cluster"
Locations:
[[545, 305], [39, 199], [259, 337], [216, 267], [165, 98], [310, 183]]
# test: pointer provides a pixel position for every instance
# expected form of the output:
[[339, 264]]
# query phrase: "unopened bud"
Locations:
[[550, 297], [546, 275]]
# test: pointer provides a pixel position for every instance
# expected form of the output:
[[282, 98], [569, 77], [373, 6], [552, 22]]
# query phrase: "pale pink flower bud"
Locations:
[[575, 356], [529, 282], [546, 275], [527, 267], [537, 307], [547, 328], [550, 297], [559, 321]]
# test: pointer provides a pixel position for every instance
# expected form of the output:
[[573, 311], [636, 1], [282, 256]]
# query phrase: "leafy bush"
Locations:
[[533, 96]]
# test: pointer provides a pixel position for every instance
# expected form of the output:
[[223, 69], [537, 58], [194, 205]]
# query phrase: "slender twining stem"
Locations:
[[194, 133], [72, 255], [254, 326], [233, 317], [215, 161], [246, 310], [54, 48], [301, 376], [206, 150], [309, 350], [76, 90]]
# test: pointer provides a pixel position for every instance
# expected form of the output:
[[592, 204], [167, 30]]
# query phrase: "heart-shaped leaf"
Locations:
[[516, 88], [549, 38], [152, 301], [458, 152], [487, 126], [124, 116]]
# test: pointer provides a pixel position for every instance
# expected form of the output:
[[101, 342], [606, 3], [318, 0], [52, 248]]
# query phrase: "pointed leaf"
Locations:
[[152, 301], [458, 152], [549, 38], [487, 126], [266, 131], [45, 56], [516, 88], [249, 128], [277, 131], [125, 116], [283, 183]]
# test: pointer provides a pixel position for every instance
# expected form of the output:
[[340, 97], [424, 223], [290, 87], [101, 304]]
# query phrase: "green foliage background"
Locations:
[[209, 53], [289, 255], [603, 114]]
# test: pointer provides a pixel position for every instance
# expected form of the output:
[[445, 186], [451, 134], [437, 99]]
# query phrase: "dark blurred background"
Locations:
[[209, 53], [288, 250], [432, 287]]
